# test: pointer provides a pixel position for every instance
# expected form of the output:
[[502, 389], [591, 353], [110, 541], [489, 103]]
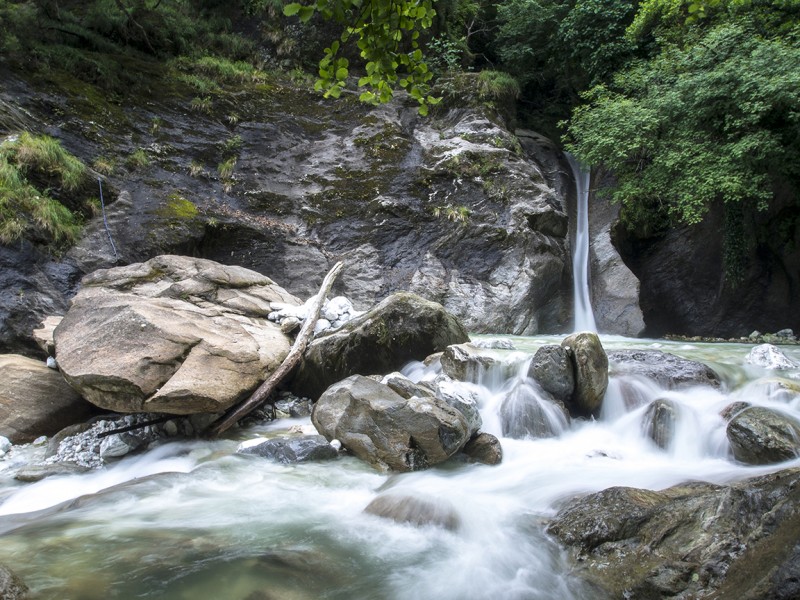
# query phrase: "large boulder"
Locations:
[[402, 328], [761, 436], [590, 365], [689, 540], [768, 356], [175, 334], [667, 370], [35, 400], [386, 430], [552, 369]]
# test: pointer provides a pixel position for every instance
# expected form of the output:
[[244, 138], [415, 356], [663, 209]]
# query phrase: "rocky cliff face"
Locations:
[[451, 207]]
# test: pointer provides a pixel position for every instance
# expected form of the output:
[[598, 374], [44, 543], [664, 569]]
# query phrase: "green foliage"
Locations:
[[713, 119], [138, 159], [29, 164], [225, 168], [386, 33], [459, 214], [557, 49]]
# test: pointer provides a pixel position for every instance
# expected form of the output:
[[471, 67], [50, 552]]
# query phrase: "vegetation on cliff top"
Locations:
[[690, 103]]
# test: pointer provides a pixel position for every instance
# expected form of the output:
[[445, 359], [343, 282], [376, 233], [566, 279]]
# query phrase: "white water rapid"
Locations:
[[582, 302], [193, 520]]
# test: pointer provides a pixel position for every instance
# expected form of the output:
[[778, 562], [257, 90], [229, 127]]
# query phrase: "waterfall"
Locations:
[[584, 317]]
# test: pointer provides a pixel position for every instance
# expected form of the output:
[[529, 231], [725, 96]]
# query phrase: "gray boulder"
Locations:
[[462, 399], [415, 511], [35, 400], [667, 370], [402, 328], [386, 430], [760, 436], [175, 335], [591, 373], [466, 362], [293, 450], [551, 367], [688, 541], [484, 448]]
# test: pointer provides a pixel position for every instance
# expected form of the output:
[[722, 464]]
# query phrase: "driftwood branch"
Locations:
[[290, 362]]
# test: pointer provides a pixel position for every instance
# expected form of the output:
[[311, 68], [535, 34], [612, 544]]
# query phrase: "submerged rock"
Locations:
[[667, 370], [528, 413], [590, 365], [35, 400], [689, 540], [761, 436], [386, 430], [175, 334], [415, 511], [293, 450], [32, 473], [402, 328]]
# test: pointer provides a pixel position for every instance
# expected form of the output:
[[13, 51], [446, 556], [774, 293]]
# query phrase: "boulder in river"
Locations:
[[35, 400], [590, 365], [552, 369], [175, 335], [386, 430], [768, 356], [293, 450], [484, 448], [762, 436], [688, 541], [401, 328], [667, 370]]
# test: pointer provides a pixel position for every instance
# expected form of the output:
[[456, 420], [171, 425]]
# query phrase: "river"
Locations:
[[191, 519]]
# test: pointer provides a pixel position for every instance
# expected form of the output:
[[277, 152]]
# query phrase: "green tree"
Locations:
[[713, 116]]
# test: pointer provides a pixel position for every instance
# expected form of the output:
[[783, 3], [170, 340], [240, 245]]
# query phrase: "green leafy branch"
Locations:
[[386, 33]]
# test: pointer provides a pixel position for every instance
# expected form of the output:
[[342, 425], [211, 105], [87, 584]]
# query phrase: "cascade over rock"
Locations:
[[174, 334]]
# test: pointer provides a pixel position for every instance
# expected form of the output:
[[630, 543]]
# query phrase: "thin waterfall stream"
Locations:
[[192, 519], [582, 302]]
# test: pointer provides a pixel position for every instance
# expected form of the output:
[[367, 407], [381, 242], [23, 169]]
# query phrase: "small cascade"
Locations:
[[584, 316]]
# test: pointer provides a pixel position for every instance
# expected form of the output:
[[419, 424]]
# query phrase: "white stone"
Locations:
[[113, 446], [322, 325], [5, 444], [768, 356], [51, 363]]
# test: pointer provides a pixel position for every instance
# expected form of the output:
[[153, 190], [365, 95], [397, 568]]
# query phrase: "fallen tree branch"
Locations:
[[292, 359]]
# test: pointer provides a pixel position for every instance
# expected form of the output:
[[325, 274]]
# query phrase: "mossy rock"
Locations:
[[402, 328]]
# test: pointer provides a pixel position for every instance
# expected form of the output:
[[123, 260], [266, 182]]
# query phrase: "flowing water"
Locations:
[[582, 302], [192, 520]]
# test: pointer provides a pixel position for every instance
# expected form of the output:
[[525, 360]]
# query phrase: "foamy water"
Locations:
[[193, 520]]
